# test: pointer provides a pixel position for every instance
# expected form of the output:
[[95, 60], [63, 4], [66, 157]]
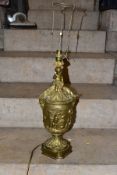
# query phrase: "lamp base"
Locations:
[[56, 147]]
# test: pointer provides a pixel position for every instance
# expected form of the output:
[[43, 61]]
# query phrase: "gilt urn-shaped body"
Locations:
[[58, 103]]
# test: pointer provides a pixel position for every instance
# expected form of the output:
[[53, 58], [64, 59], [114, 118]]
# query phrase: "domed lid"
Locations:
[[57, 95]]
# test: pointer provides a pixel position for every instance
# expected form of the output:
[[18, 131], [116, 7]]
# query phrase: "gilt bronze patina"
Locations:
[[58, 103]]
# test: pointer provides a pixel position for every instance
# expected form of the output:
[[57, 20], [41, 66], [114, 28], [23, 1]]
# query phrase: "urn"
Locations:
[[58, 104]]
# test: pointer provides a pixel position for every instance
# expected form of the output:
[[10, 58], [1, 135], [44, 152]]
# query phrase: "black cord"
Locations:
[[30, 159]]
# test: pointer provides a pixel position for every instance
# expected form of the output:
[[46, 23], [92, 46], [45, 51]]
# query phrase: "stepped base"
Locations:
[[94, 153], [56, 147], [56, 155]]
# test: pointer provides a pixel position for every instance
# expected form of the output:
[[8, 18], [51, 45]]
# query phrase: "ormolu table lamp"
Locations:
[[58, 103]]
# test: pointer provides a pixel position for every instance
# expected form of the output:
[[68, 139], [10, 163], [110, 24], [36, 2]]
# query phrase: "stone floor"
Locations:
[[94, 150]]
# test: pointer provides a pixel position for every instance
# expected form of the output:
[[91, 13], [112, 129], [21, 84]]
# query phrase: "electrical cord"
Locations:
[[30, 159]]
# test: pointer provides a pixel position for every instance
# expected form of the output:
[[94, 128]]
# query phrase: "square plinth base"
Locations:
[[56, 154]]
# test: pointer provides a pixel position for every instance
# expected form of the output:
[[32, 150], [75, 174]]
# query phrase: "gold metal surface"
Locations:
[[58, 103]]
